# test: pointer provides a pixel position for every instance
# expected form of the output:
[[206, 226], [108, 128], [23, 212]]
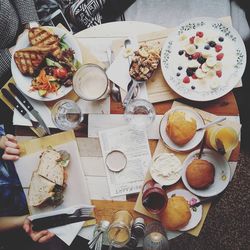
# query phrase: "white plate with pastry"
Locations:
[[207, 176], [178, 215], [178, 129], [30, 57], [203, 59]]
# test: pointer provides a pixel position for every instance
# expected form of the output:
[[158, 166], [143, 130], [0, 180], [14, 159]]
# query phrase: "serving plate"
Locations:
[[24, 82], [222, 172], [193, 142], [196, 212], [232, 64]]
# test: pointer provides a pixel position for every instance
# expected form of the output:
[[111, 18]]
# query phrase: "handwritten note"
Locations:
[[134, 144]]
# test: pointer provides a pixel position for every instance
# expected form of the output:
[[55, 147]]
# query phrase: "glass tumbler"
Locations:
[[66, 114], [139, 113]]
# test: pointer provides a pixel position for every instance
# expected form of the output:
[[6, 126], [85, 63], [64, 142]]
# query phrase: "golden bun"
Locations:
[[200, 174], [181, 128], [176, 214]]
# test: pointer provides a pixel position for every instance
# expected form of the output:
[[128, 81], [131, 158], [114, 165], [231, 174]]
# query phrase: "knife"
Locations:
[[56, 221], [205, 200], [28, 105]]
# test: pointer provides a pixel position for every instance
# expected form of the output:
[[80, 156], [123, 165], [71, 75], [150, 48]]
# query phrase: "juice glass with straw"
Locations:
[[222, 138]]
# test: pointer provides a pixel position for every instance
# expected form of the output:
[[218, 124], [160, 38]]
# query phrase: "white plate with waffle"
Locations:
[[203, 59], [23, 82]]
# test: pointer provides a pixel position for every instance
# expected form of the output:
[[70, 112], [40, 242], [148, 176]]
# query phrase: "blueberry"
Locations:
[[207, 47], [179, 68], [190, 57], [178, 74], [181, 52], [212, 44], [192, 87], [201, 60], [221, 39], [196, 46], [189, 71], [194, 69]]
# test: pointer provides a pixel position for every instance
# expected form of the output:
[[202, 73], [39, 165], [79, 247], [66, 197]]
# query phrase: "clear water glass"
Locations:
[[66, 115], [139, 113]]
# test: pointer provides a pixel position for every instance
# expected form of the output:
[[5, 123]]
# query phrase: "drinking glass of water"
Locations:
[[139, 113], [66, 115]]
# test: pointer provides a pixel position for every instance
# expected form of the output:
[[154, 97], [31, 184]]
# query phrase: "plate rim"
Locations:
[[14, 66], [198, 191], [174, 34]]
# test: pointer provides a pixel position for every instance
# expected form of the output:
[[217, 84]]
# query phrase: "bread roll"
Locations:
[[200, 174], [176, 214], [181, 128]]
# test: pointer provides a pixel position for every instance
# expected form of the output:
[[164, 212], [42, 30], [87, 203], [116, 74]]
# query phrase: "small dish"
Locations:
[[196, 213], [166, 169], [193, 142], [222, 172]]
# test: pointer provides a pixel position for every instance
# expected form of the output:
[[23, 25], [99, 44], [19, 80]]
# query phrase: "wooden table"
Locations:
[[100, 37]]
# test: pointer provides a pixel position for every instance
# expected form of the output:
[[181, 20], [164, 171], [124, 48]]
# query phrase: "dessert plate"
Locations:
[[222, 172], [196, 212], [203, 59], [193, 142]]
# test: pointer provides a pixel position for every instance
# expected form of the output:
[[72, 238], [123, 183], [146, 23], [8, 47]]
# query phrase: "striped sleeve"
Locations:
[[26, 10], [5, 58]]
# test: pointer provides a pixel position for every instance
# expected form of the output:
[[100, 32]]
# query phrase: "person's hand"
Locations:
[[11, 148], [41, 236]]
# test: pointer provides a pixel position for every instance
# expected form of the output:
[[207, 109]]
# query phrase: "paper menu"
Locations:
[[134, 144]]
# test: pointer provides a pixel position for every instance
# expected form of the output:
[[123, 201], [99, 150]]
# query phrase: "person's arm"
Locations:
[[5, 58], [26, 11], [13, 222]]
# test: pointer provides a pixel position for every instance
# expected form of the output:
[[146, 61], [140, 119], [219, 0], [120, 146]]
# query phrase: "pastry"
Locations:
[[200, 174], [176, 214], [180, 127]]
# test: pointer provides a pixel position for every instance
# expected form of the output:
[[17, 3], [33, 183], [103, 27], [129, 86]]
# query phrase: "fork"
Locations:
[[37, 128], [80, 214]]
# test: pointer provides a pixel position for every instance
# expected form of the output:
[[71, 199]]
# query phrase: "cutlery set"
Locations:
[[39, 127]]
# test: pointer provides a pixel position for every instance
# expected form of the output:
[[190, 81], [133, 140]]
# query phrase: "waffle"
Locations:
[[41, 37], [29, 59]]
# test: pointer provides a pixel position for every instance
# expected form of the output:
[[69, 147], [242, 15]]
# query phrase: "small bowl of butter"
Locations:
[[166, 169]]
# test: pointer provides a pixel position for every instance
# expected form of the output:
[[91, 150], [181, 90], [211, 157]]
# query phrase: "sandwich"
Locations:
[[49, 180], [41, 37], [29, 59]]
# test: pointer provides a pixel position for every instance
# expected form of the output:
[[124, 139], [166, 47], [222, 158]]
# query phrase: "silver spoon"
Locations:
[[215, 121], [115, 90], [135, 83]]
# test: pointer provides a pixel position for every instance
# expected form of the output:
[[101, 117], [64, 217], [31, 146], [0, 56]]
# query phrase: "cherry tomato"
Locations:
[[60, 72]]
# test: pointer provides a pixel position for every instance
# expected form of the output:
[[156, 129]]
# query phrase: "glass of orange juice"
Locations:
[[222, 138]]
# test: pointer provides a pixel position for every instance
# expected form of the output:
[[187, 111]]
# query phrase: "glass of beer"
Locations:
[[222, 138], [91, 83]]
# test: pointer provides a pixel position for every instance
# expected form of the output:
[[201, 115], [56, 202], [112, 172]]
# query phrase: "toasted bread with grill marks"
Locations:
[[42, 37], [29, 59]]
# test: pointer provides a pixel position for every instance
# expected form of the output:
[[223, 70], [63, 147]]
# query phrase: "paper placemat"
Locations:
[[182, 155], [158, 89]]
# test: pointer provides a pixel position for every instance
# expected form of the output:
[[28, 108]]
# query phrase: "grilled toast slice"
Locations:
[[29, 59], [42, 37]]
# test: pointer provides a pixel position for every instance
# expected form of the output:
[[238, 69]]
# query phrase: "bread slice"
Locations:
[[42, 37], [40, 190], [50, 167], [29, 59]]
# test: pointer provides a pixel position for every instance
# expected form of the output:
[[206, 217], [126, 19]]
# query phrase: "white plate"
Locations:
[[193, 142], [24, 82], [196, 212], [222, 172], [233, 63]]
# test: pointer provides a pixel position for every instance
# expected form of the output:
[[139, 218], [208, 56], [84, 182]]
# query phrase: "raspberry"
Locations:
[[191, 39], [196, 55], [194, 76], [219, 73], [186, 79], [199, 34], [218, 48], [219, 56]]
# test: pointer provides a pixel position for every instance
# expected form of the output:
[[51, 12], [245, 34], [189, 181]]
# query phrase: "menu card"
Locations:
[[133, 143]]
